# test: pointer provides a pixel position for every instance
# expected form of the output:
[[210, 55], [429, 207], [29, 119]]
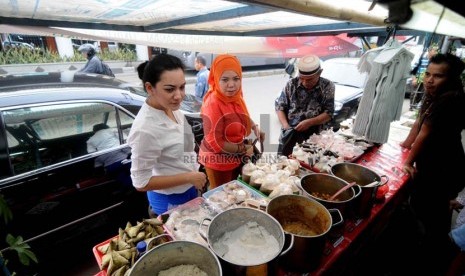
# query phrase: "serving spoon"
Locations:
[[334, 196], [372, 184]]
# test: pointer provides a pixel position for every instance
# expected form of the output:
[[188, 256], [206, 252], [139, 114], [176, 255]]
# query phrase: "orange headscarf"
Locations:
[[221, 64]]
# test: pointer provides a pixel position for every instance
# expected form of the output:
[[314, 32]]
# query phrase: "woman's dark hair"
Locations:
[[150, 71], [455, 67]]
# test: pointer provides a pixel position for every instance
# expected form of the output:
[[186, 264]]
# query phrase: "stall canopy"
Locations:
[[203, 25]]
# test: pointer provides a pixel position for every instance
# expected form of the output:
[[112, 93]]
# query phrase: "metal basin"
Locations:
[[174, 253], [305, 213], [232, 219], [361, 175], [320, 183]]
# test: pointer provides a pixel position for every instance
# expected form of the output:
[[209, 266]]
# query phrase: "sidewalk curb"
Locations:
[[118, 69]]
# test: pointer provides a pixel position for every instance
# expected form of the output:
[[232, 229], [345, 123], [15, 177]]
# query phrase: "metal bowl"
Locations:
[[326, 184], [351, 172], [363, 176], [174, 253], [232, 219]]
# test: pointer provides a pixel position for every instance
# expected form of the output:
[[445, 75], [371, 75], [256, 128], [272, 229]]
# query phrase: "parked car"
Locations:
[[63, 200], [349, 83], [17, 45]]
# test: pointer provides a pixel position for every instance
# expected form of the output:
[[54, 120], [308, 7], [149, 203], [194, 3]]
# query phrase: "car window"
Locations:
[[39, 136]]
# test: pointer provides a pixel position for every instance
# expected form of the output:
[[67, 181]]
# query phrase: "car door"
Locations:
[[58, 190]]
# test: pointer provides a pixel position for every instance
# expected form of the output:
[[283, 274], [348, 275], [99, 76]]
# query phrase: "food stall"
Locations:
[[341, 242]]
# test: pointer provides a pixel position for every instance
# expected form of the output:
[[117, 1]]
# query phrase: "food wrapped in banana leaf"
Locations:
[[116, 261], [119, 254]]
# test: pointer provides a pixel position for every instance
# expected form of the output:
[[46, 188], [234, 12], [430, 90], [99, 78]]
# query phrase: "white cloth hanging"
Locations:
[[388, 67]]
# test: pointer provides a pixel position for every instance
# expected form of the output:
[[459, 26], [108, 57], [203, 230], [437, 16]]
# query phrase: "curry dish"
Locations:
[[300, 228], [324, 196]]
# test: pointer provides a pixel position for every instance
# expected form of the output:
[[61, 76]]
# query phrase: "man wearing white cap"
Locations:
[[305, 104]]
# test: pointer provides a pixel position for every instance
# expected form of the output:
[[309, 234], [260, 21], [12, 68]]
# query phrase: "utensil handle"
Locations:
[[387, 179], [291, 244], [339, 216], [341, 190], [203, 225]]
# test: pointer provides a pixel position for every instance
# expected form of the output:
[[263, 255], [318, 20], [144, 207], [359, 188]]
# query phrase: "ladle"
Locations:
[[372, 184], [334, 196]]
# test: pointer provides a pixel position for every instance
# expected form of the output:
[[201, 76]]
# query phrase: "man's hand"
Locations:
[[303, 126], [406, 145], [410, 169]]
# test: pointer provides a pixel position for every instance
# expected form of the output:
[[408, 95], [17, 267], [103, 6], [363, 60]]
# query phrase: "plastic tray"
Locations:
[[192, 203], [256, 194], [169, 226], [250, 187], [99, 256]]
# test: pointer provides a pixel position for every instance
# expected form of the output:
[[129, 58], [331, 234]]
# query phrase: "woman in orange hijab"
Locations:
[[226, 122]]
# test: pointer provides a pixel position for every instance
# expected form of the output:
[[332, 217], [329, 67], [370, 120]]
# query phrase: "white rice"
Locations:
[[183, 270]]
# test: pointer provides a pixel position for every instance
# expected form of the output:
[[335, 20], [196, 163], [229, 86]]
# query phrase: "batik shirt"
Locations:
[[300, 103]]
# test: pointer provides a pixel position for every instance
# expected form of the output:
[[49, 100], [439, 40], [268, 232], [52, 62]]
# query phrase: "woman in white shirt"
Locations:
[[164, 163]]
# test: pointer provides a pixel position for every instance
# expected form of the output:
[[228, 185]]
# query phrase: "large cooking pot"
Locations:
[[175, 253], [363, 176], [245, 240], [319, 186], [308, 221]]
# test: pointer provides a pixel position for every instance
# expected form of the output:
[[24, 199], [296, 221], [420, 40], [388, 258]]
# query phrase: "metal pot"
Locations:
[[174, 253], [235, 262], [328, 184], [308, 221], [363, 176]]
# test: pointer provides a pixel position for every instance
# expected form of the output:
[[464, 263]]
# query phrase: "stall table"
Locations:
[[386, 159], [355, 234]]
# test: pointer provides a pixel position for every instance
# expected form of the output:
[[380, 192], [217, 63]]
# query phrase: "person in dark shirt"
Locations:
[[436, 158]]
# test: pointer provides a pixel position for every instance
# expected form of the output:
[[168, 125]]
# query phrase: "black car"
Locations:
[[63, 200]]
